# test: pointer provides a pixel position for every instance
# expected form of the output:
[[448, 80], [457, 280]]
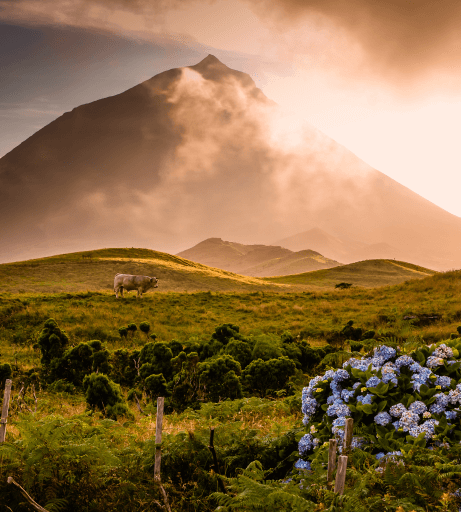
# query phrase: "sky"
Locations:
[[382, 78]]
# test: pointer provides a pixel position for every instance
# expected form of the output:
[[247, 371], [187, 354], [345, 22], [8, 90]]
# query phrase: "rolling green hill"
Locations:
[[368, 273], [94, 271]]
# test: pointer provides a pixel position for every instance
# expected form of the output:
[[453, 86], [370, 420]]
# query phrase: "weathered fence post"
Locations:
[[348, 436], [331, 460], [6, 404], [341, 474], [158, 449], [158, 438]]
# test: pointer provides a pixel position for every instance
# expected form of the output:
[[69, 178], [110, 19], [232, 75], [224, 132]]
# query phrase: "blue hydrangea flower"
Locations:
[[372, 382], [305, 444], [454, 395], [380, 455], [443, 381], [416, 368], [408, 420], [383, 418], [397, 410], [358, 442], [341, 375], [335, 387], [451, 415], [436, 408], [403, 361], [329, 374], [365, 399], [356, 385], [309, 406], [396, 424], [443, 352], [389, 377], [303, 464], [442, 399], [346, 395], [418, 407], [433, 361], [385, 352]]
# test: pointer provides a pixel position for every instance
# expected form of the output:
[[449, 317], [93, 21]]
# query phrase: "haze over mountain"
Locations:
[[345, 250], [255, 260], [199, 151]]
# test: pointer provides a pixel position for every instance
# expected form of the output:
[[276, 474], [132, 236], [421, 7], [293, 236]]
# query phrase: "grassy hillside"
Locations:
[[95, 270], [368, 273]]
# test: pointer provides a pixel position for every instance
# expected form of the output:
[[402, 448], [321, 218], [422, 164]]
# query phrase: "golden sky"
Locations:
[[382, 77]]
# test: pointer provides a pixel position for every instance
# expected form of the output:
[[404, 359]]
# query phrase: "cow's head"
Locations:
[[154, 282]]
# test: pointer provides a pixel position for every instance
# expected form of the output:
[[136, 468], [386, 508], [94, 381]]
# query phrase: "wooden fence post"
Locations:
[[158, 450], [341, 474], [6, 404], [331, 461], [348, 436], [158, 438]]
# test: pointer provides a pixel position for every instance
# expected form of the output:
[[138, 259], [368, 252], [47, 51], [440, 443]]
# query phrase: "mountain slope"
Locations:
[[195, 151], [255, 260]]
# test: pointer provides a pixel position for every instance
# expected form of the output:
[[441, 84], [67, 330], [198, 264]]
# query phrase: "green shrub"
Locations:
[[123, 331], [52, 342], [260, 376], [156, 385], [218, 378], [226, 332], [104, 394], [145, 328], [240, 351]]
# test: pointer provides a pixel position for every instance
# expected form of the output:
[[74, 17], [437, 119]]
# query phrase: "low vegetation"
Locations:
[[87, 369]]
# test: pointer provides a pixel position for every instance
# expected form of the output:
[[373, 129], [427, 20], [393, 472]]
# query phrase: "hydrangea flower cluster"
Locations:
[[390, 396]]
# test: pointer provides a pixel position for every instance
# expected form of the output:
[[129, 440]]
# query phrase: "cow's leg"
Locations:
[[116, 290], [139, 295], [121, 291]]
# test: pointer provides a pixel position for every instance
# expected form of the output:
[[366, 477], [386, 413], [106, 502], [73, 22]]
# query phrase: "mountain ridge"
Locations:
[[200, 150], [255, 260]]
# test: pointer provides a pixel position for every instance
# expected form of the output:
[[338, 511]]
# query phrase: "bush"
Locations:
[[123, 331], [260, 376], [104, 394], [218, 378], [145, 328], [240, 351], [396, 400], [52, 342], [156, 386], [226, 332]]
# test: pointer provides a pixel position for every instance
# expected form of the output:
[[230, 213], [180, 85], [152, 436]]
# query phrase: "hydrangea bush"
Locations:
[[394, 399]]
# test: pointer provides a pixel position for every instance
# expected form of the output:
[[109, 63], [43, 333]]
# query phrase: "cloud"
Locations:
[[399, 37]]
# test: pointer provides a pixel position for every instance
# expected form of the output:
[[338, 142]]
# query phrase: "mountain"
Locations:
[[255, 260], [196, 151], [343, 249]]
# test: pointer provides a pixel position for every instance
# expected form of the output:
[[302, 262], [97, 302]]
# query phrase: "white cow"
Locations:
[[128, 282]]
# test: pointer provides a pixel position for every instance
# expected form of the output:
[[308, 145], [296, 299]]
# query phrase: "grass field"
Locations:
[[190, 303], [94, 271]]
